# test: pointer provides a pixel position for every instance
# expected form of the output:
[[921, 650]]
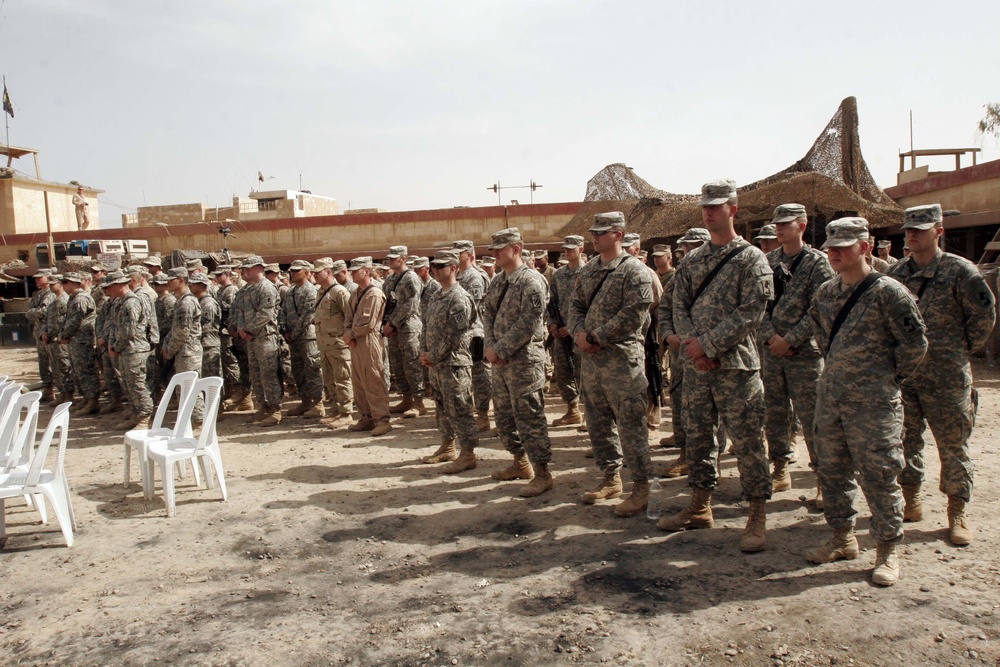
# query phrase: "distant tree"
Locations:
[[990, 124]]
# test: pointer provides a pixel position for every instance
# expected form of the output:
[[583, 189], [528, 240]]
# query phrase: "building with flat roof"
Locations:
[[261, 205], [28, 204]]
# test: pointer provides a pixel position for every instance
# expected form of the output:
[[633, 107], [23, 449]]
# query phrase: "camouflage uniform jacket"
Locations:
[[729, 311], [351, 286], [665, 311], [81, 314], [364, 315], [225, 296], [790, 316], [38, 306], [237, 311], [561, 292], [185, 332], [55, 316], [330, 318], [878, 264], [430, 288], [211, 318], [105, 318], [513, 311], [299, 305], [448, 330], [406, 293], [129, 331], [165, 305], [547, 273], [98, 295], [259, 312], [879, 344], [476, 282], [148, 296], [616, 311], [958, 309]]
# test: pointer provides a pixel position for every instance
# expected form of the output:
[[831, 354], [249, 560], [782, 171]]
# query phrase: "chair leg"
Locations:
[[167, 468], [219, 472], [62, 510], [128, 464], [69, 501], [39, 504], [150, 478], [205, 461]]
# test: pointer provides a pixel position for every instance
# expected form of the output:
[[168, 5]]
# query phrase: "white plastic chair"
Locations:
[[8, 392], [183, 383], [168, 451], [39, 482]]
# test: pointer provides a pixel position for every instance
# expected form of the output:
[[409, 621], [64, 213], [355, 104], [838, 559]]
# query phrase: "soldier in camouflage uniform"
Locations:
[[330, 320], [139, 285], [959, 310], [225, 295], [97, 273], [183, 345], [402, 329], [428, 287], [875, 261], [38, 305], [632, 244], [164, 308], [259, 328], [444, 343], [489, 267], [78, 336], [363, 335], [128, 345], [859, 415], [59, 362], [272, 273], [514, 332], [884, 248], [791, 362], [211, 317], [716, 321], [475, 282], [106, 315], [767, 239], [299, 306], [609, 313], [240, 400], [565, 356]]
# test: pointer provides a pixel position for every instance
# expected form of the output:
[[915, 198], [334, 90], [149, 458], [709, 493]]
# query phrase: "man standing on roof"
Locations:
[[82, 209]]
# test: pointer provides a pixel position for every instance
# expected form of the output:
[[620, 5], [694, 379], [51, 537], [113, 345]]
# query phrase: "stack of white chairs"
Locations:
[[169, 450]]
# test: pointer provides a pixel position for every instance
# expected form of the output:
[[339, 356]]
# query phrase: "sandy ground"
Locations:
[[336, 550]]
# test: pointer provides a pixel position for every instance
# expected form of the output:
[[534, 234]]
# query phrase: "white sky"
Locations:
[[412, 105]]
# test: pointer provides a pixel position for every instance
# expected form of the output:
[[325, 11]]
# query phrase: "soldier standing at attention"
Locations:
[[402, 329], [299, 306], [211, 317], [875, 261], [863, 320], [565, 355], [490, 269], [514, 333], [330, 320], [632, 245], [55, 316], [106, 314], [240, 400], [183, 345], [364, 336], [448, 328], [259, 328], [272, 273], [959, 310], [129, 347], [225, 295], [474, 282], [791, 361], [720, 294], [78, 336], [609, 312], [38, 305], [543, 267], [767, 238], [164, 308], [884, 248]]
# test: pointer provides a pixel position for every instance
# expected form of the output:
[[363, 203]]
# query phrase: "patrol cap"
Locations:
[[178, 272], [464, 246], [116, 277], [420, 262], [846, 232], [338, 266], [219, 270], [43, 273], [562, 262], [160, 279], [489, 260], [321, 263], [923, 217], [136, 269], [695, 236], [643, 255], [445, 258], [97, 266], [885, 244], [252, 261], [396, 251], [409, 261], [718, 192], [153, 261], [789, 212], [199, 277], [192, 264], [605, 222], [272, 268], [505, 237], [301, 265], [660, 249], [72, 277], [361, 263], [766, 232], [56, 277], [526, 255], [573, 241], [541, 254], [630, 240]]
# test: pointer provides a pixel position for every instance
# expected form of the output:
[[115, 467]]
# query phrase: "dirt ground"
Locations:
[[338, 550]]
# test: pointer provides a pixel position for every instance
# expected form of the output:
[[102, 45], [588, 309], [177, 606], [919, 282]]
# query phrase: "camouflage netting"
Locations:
[[831, 181]]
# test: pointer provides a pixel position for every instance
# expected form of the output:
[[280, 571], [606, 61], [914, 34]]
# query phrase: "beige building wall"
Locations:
[[22, 206]]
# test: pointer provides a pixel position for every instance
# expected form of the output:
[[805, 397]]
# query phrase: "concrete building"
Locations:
[[266, 205], [25, 201]]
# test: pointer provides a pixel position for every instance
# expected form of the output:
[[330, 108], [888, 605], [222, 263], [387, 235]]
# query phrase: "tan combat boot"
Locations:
[[127, 422], [445, 453], [237, 395], [402, 406], [914, 508], [678, 468], [48, 393], [698, 514], [610, 487], [337, 422], [541, 483], [245, 404], [636, 501], [417, 410], [112, 406], [818, 500], [754, 537], [92, 407], [363, 424], [959, 532], [271, 418], [781, 479], [572, 416], [315, 411], [668, 442], [519, 469], [465, 461], [843, 545], [301, 408], [482, 420], [257, 416], [381, 428], [886, 571]]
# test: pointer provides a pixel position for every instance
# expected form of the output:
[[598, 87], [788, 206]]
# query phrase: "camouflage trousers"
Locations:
[[132, 371], [62, 370], [211, 362], [44, 370], [183, 364], [285, 362], [789, 381], [307, 369], [371, 394], [861, 441], [615, 397], [387, 372], [336, 363], [676, 391], [482, 384], [737, 398], [263, 363], [242, 354], [88, 383], [229, 363], [519, 410], [404, 357], [111, 379], [451, 388], [947, 408], [566, 364]]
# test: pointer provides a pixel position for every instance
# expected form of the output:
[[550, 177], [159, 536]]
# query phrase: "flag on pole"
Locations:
[[6, 101]]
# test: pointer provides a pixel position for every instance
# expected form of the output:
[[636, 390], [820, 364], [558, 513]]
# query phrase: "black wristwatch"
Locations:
[[592, 339]]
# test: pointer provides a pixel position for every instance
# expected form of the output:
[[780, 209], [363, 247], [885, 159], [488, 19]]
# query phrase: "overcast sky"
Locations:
[[411, 105]]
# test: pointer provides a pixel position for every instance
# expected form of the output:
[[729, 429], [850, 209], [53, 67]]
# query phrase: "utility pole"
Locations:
[[496, 187]]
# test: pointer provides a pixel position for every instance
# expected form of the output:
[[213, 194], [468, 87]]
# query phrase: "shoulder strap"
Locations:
[[600, 284], [319, 299], [714, 272], [856, 295], [779, 283]]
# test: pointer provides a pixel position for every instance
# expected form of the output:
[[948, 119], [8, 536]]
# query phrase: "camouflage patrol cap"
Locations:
[[361, 263], [116, 277], [505, 237], [464, 246], [42, 273], [718, 192], [72, 277], [97, 266], [630, 240], [660, 249], [526, 255], [695, 236], [396, 251], [923, 217], [272, 268], [179, 272], [153, 261], [788, 213], [605, 222], [200, 278], [323, 263], [489, 260], [136, 269], [252, 261], [573, 241], [445, 258], [845, 232], [338, 266], [562, 262], [885, 244], [541, 254], [219, 270], [767, 232], [301, 265], [159, 279], [56, 277], [643, 255], [420, 262]]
